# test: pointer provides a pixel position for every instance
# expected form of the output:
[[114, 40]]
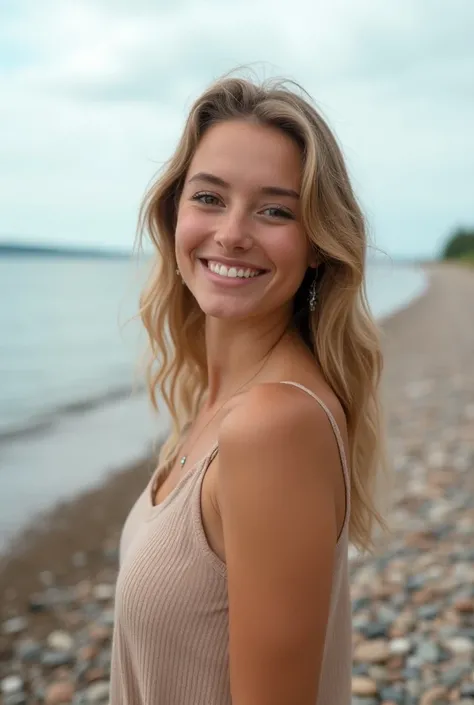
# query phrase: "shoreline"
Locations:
[[39, 422], [413, 601]]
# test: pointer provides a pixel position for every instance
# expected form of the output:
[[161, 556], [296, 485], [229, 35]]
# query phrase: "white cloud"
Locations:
[[94, 95]]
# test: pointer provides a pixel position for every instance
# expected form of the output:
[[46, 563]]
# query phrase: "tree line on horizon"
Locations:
[[460, 245]]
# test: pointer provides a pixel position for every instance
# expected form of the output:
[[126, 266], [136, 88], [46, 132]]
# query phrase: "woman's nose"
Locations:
[[233, 233]]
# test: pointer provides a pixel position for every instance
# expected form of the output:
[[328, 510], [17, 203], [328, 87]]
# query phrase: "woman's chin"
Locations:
[[226, 310]]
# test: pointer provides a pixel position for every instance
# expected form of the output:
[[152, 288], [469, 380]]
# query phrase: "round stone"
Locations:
[[375, 651], [460, 645], [28, 650], [11, 685], [59, 693], [55, 659], [104, 592], [97, 692], [15, 625], [361, 685], [400, 647], [60, 641], [464, 605]]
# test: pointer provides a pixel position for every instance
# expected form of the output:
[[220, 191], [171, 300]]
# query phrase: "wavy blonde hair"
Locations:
[[341, 332]]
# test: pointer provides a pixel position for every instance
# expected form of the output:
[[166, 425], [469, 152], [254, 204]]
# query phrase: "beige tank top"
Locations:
[[170, 644]]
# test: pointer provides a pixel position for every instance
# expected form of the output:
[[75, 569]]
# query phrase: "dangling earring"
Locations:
[[313, 295]]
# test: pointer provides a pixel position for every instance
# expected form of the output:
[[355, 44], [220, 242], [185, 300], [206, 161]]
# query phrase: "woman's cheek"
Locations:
[[189, 232]]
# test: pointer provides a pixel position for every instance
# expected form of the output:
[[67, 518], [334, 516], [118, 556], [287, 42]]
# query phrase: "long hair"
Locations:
[[340, 332]]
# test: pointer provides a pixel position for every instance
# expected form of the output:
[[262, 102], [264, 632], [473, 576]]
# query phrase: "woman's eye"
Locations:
[[275, 212], [207, 199]]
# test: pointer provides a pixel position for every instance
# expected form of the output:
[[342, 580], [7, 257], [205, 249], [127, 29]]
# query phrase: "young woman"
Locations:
[[233, 584]]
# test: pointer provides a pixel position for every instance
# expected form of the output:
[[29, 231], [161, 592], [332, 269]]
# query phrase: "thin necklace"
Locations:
[[182, 460]]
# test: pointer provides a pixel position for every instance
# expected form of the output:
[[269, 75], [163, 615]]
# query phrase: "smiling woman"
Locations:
[[233, 583]]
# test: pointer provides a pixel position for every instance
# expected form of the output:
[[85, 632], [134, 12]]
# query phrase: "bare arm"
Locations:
[[278, 461]]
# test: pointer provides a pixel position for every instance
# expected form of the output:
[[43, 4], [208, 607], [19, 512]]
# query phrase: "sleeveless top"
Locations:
[[170, 642]]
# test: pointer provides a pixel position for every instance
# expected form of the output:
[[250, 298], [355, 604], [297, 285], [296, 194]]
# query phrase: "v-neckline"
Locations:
[[153, 487]]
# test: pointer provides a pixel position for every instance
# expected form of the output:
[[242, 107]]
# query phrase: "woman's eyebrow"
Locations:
[[268, 190]]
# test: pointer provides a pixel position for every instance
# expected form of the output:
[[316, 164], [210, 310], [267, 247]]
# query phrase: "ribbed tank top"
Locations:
[[170, 643]]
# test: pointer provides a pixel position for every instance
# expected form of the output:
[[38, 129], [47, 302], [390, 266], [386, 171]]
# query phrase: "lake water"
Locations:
[[68, 363]]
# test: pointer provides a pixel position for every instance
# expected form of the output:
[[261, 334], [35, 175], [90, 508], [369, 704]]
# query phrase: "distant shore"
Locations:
[[413, 601], [14, 249]]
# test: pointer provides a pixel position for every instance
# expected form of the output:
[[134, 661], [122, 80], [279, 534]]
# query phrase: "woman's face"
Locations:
[[240, 244]]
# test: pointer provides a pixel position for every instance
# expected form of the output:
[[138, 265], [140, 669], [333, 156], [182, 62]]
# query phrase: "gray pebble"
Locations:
[[104, 592], [374, 630], [11, 684], [428, 652], [392, 694], [428, 611], [97, 692], [360, 603], [28, 650], [15, 625], [54, 659], [360, 669], [414, 582], [387, 614], [411, 674]]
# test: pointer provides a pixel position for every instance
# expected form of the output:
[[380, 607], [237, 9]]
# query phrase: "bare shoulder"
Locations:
[[277, 496], [273, 417]]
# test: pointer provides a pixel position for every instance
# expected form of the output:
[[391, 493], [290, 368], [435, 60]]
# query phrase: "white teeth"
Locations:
[[231, 272]]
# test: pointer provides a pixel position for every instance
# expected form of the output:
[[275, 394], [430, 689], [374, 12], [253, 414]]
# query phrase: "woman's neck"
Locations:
[[237, 352]]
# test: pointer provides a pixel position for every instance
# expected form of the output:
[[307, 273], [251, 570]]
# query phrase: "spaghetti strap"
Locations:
[[340, 445]]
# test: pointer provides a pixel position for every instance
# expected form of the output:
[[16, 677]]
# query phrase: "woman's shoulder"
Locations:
[[289, 407], [275, 415]]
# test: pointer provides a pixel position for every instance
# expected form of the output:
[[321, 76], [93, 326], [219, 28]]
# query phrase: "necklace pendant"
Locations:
[[183, 460]]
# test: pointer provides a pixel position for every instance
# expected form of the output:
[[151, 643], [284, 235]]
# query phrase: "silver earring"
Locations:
[[313, 296]]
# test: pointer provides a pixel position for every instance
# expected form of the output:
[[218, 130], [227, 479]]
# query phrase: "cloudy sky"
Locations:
[[93, 96]]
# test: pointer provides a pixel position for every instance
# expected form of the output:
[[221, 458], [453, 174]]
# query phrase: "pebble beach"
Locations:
[[413, 599]]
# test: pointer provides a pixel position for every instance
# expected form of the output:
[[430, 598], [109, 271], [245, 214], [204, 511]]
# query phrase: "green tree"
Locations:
[[460, 245]]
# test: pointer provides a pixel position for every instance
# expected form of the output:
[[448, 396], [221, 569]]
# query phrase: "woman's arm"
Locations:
[[278, 466]]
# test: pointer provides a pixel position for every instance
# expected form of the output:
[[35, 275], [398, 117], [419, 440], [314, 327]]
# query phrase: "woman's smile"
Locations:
[[230, 275]]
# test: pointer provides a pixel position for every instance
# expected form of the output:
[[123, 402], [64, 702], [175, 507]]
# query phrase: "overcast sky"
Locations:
[[93, 97]]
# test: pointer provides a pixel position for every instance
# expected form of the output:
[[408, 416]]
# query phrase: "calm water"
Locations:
[[65, 341]]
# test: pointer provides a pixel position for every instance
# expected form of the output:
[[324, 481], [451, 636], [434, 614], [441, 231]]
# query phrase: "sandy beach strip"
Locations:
[[413, 601]]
